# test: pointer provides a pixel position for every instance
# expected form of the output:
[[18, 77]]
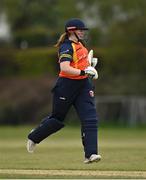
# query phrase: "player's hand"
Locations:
[[92, 61], [91, 72]]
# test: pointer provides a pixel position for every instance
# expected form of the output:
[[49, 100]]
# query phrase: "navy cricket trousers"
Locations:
[[68, 92]]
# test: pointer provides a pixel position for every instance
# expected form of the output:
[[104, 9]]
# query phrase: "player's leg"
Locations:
[[86, 109], [53, 123], [48, 126], [63, 97]]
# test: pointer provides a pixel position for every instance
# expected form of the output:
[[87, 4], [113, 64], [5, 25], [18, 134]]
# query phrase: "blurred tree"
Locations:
[[102, 15], [31, 20], [50, 15], [38, 17], [25, 13]]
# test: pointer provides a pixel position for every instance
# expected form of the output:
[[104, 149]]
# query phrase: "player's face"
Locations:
[[80, 34]]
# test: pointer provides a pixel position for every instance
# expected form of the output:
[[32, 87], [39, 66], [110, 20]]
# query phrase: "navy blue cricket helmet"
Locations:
[[75, 24]]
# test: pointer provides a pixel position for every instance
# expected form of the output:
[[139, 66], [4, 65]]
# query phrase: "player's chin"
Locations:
[[81, 37]]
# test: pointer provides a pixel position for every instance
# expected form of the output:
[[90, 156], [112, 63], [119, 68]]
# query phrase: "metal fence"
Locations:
[[129, 110]]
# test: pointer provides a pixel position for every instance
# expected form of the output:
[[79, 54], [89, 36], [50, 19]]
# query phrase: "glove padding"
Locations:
[[92, 61], [91, 72]]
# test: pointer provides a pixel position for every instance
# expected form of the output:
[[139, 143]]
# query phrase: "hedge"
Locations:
[[28, 62], [27, 76], [36, 61]]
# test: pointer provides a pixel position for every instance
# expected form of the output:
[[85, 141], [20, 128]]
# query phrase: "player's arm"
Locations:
[[65, 58], [89, 71], [65, 67]]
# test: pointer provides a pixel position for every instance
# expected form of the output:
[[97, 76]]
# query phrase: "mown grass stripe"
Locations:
[[136, 174]]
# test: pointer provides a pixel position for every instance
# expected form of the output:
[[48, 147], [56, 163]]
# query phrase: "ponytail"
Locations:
[[61, 39]]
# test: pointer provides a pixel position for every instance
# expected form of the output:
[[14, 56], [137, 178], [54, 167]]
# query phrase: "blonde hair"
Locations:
[[61, 39]]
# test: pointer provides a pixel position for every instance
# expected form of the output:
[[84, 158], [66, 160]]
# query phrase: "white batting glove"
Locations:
[[92, 61], [91, 72], [90, 56]]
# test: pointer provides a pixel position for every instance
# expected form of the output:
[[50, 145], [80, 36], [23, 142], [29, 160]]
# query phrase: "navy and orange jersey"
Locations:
[[76, 54]]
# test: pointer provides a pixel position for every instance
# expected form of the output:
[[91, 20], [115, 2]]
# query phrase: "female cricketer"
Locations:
[[73, 88]]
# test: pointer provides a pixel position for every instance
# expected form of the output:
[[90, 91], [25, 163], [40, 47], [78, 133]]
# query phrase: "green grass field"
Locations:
[[61, 155]]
